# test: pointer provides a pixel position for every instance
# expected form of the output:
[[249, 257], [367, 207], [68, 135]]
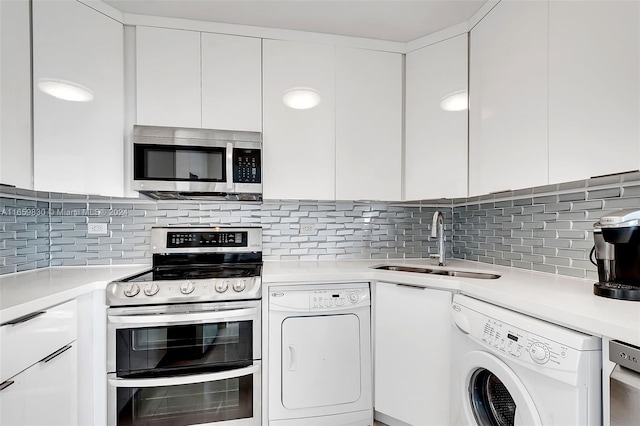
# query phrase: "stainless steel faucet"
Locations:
[[437, 231]]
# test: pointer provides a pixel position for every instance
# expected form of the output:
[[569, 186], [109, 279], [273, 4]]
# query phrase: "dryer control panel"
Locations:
[[319, 298]]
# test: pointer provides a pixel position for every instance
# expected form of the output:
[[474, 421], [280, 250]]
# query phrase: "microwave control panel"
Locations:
[[247, 166]]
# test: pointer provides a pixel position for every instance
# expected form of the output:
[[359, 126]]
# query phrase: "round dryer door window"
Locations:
[[491, 402]]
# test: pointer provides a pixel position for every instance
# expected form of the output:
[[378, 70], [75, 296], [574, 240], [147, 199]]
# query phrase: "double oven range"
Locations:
[[184, 338]]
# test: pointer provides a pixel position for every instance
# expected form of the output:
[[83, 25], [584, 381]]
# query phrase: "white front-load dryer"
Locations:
[[319, 364], [511, 369]]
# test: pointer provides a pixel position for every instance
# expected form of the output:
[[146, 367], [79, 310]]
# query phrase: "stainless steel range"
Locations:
[[184, 338]]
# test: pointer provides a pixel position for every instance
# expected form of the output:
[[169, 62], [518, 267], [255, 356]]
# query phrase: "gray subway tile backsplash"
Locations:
[[546, 229]]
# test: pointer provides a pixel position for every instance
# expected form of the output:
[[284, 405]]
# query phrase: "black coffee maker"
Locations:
[[617, 253]]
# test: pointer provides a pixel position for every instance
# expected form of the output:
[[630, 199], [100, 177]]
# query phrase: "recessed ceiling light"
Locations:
[[301, 98], [65, 90]]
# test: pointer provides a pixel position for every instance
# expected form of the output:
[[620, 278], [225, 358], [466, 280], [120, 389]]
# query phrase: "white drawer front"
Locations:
[[38, 335]]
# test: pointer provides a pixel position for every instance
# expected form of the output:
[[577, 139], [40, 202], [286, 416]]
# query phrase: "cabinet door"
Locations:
[[508, 143], [78, 146], [231, 82], [168, 77], [45, 394], [436, 140], [368, 125], [594, 88], [412, 343], [298, 144], [15, 94]]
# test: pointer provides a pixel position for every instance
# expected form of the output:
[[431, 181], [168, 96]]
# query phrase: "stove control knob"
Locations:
[[187, 287], [222, 286], [132, 290], [151, 289], [239, 285]]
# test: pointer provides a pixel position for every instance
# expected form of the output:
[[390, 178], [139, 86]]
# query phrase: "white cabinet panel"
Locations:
[[436, 140], [231, 82], [78, 146], [15, 94], [168, 77], [594, 88], [45, 394], [298, 145], [368, 125], [412, 344], [508, 141], [36, 336]]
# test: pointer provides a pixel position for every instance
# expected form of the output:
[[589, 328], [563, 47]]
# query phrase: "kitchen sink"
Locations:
[[448, 272]]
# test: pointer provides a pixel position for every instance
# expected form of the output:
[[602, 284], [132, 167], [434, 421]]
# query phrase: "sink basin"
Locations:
[[448, 272]]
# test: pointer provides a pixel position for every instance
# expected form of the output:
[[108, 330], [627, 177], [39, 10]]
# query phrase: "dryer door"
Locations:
[[320, 361], [494, 395]]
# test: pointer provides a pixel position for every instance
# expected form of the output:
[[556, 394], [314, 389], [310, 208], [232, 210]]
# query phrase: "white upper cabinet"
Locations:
[[78, 146], [436, 140], [199, 80], [594, 91], [508, 142], [15, 94], [231, 82], [168, 77], [368, 125], [298, 144]]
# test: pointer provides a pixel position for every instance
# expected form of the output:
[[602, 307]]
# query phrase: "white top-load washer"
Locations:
[[320, 370], [512, 369]]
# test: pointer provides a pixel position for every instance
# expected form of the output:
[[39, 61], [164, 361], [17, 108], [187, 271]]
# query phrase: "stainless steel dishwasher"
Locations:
[[624, 383]]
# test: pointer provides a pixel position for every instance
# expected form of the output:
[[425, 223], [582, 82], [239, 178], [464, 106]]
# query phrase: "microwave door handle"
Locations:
[[191, 318], [229, 166], [183, 380]]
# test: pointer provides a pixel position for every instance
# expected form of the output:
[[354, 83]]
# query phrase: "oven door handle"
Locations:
[[183, 380], [185, 318]]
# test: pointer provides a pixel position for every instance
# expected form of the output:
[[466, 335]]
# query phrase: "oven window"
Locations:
[[197, 403], [155, 350], [179, 163]]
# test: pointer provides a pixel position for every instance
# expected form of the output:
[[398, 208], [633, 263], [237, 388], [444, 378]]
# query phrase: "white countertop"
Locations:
[[555, 298], [562, 300], [26, 292]]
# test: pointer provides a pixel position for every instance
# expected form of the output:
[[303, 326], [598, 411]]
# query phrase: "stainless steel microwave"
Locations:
[[182, 163]]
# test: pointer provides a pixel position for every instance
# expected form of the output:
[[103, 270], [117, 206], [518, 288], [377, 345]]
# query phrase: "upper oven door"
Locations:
[[165, 340]]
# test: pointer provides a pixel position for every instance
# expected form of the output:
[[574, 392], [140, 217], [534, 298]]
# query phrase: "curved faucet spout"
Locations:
[[437, 231]]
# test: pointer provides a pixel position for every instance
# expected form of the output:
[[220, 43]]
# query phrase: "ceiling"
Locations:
[[393, 20]]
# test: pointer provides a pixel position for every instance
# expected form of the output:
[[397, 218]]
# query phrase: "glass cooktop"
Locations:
[[197, 272]]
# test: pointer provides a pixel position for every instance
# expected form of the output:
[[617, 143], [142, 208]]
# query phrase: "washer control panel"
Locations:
[[518, 343], [519, 337]]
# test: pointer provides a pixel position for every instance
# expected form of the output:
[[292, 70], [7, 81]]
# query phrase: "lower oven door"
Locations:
[[230, 398]]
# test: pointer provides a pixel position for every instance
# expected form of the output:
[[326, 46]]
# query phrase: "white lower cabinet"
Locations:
[[39, 368], [43, 394], [411, 353]]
